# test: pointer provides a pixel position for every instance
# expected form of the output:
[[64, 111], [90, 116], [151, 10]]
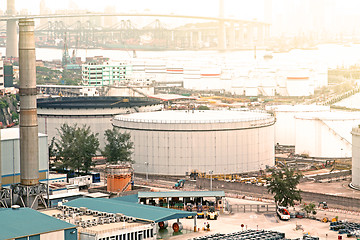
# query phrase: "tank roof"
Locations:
[[95, 102], [298, 108], [329, 116], [206, 116], [13, 133]]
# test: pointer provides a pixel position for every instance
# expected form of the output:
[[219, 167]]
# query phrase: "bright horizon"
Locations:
[[288, 17]]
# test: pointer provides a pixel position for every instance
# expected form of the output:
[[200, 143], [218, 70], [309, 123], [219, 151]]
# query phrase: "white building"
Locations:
[[10, 156], [103, 75], [176, 142]]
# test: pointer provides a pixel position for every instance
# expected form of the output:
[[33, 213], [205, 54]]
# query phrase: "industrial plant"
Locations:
[[246, 140]]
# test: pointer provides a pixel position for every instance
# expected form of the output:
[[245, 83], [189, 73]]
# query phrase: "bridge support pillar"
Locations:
[[11, 39], [250, 35], [260, 34], [240, 38], [11, 31], [221, 31], [232, 35]]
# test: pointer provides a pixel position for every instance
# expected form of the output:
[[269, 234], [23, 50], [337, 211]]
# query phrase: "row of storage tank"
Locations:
[[222, 141]]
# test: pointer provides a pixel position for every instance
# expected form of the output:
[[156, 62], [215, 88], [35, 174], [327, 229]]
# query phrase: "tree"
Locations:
[[53, 153], [203, 107], [77, 146], [118, 147], [283, 184], [309, 209]]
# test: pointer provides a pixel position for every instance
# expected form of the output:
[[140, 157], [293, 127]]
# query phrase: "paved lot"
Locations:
[[269, 221], [232, 223], [339, 188]]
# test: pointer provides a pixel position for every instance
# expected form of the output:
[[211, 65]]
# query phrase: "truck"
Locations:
[[211, 214], [283, 213], [180, 184]]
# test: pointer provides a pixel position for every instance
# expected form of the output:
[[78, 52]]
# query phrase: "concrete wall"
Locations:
[[333, 201]]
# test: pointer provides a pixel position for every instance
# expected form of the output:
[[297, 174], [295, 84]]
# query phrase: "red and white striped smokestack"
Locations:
[[29, 161]]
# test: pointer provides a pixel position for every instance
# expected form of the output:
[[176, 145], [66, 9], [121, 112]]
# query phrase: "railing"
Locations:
[[252, 208]]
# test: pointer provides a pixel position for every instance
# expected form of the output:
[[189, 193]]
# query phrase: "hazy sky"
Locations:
[[246, 9]]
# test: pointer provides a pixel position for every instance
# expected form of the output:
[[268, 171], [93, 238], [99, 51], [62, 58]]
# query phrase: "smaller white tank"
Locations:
[[356, 157], [285, 121], [325, 134]]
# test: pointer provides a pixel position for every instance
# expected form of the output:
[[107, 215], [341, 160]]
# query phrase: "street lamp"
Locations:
[[147, 170], [211, 172]]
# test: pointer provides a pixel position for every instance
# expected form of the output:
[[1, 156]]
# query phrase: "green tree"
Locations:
[[53, 153], [77, 146], [309, 209], [118, 146], [203, 107], [283, 184]]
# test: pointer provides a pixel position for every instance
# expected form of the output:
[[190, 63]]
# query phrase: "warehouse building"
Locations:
[[29, 224], [177, 142], [105, 219], [10, 156]]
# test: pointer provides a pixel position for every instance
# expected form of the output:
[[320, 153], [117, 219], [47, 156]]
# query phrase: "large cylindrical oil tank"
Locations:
[[96, 112], [356, 157], [325, 134], [177, 142], [285, 121]]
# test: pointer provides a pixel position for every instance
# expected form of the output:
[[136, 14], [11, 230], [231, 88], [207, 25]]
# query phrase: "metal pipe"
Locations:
[[29, 161]]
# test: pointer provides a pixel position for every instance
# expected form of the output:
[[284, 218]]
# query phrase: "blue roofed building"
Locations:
[[29, 224], [103, 219]]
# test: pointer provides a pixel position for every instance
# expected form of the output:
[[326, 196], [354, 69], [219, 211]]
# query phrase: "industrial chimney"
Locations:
[[29, 160], [29, 190]]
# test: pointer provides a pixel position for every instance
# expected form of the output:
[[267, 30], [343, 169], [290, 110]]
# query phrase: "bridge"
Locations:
[[229, 33]]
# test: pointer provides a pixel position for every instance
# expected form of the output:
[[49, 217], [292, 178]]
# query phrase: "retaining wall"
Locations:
[[346, 203]]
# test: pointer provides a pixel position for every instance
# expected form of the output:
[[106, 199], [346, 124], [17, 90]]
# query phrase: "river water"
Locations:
[[327, 56], [330, 55]]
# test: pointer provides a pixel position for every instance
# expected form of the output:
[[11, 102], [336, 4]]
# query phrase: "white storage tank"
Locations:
[[325, 134], [96, 112], [285, 121], [356, 157], [176, 142]]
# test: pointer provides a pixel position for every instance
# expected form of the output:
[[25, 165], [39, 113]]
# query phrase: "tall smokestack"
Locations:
[[29, 160]]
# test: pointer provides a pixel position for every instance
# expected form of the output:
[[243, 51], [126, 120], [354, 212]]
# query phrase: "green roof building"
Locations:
[[29, 224]]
